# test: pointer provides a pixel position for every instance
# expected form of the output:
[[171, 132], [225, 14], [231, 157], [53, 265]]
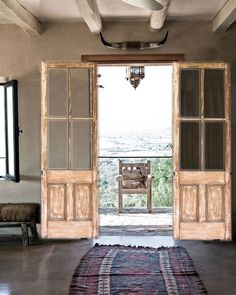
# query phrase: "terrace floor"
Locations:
[[136, 222]]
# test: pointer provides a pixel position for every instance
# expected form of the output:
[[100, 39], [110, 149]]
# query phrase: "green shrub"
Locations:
[[161, 169]]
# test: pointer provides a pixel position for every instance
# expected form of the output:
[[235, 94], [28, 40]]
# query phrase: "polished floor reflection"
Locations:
[[46, 267]]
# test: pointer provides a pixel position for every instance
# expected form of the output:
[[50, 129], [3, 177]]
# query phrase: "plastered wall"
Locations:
[[21, 56]]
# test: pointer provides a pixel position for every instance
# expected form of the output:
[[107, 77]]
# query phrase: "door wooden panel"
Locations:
[[201, 177], [209, 231], [215, 203], [202, 181], [83, 200], [69, 229], [56, 204], [189, 199], [69, 150]]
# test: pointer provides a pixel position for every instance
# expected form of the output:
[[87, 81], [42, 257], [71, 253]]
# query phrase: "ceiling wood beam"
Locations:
[[145, 4], [17, 14], [158, 17], [90, 14], [225, 17]]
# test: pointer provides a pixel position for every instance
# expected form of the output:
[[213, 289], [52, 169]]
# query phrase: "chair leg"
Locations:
[[120, 202], [25, 236], [149, 201]]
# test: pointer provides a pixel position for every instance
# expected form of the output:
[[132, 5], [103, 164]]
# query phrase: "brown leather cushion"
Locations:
[[132, 184], [132, 174], [20, 212]]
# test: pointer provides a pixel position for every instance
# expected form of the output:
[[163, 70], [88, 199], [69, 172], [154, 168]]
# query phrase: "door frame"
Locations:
[[123, 59], [156, 59]]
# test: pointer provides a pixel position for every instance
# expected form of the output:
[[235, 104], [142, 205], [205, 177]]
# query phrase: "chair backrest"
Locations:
[[134, 168]]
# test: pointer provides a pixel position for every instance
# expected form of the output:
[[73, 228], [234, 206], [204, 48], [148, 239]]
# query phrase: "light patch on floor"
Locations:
[[144, 219]]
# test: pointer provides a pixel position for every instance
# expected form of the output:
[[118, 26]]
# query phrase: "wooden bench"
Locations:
[[24, 215]]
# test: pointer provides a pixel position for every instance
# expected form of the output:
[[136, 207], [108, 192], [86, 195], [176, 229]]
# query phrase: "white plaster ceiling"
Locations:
[[67, 10], [3, 18]]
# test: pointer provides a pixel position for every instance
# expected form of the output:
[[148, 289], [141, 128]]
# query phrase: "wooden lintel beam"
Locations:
[[17, 14], [225, 17], [90, 14]]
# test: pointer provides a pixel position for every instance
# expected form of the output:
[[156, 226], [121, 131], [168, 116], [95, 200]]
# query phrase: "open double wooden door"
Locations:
[[201, 155], [201, 152], [69, 153]]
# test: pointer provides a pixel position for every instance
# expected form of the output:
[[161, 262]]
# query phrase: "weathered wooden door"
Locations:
[[201, 155], [69, 150]]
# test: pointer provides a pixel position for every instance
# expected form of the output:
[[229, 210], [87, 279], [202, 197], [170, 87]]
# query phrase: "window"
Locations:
[[9, 132]]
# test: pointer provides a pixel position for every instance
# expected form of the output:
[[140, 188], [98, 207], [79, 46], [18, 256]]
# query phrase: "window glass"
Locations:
[[58, 92], [81, 93], [10, 131], [81, 144], [2, 166], [189, 93], [57, 144], [213, 93], [190, 145], [2, 133], [214, 145], [2, 124]]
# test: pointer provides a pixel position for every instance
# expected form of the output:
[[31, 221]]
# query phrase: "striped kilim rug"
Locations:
[[127, 270]]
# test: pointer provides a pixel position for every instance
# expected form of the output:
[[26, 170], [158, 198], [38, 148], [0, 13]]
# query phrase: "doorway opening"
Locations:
[[135, 126]]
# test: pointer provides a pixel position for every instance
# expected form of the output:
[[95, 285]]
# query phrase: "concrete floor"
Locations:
[[46, 267]]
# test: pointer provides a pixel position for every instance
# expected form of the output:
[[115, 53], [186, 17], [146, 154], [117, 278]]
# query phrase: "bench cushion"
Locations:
[[20, 212]]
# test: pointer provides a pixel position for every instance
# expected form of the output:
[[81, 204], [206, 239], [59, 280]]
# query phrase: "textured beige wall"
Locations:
[[21, 56]]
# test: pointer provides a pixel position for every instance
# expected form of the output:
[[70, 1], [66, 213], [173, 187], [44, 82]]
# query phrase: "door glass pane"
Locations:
[[57, 144], [58, 92], [189, 93], [189, 145], [81, 144], [214, 93], [214, 145], [10, 131], [81, 97]]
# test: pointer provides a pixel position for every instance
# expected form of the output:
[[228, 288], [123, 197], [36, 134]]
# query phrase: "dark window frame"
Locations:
[[16, 175]]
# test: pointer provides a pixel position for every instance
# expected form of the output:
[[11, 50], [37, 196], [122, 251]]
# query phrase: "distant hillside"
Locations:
[[138, 143]]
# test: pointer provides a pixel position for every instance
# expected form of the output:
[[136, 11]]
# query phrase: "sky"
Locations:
[[122, 108]]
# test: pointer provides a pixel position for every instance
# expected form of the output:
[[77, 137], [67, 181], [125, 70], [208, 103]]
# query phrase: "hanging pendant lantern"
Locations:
[[135, 74]]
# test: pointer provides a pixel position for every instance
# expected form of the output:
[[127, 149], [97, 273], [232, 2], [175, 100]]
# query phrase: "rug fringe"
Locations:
[[140, 247]]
